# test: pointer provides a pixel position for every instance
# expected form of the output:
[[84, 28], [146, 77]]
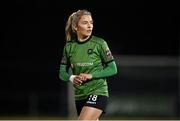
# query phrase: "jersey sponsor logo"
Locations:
[[84, 64]]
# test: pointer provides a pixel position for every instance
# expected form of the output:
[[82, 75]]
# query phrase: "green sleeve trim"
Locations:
[[63, 74], [109, 70]]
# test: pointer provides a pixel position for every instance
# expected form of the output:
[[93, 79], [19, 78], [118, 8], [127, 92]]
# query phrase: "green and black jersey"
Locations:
[[91, 56]]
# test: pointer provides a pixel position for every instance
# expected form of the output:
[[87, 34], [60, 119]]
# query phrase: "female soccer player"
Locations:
[[91, 61]]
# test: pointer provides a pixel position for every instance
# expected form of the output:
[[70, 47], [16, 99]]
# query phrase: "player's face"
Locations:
[[85, 26]]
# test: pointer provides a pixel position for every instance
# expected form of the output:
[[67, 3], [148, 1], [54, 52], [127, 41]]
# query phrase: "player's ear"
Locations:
[[74, 28]]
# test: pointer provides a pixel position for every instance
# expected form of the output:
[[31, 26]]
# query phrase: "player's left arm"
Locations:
[[109, 70]]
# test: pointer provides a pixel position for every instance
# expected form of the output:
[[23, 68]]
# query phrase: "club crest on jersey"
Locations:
[[89, 51]]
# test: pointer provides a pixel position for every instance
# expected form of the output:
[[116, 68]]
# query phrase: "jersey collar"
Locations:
[[84, 41]]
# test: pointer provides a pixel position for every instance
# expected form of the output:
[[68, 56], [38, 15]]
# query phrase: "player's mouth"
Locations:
[[89, 31]]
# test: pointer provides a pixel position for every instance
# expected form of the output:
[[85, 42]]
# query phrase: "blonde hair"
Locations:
[[73, 21]]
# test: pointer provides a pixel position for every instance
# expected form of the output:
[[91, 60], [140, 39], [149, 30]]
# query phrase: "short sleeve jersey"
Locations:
[[88, 57]]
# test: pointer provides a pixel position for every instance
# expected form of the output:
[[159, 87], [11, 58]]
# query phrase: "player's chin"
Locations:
[[88, 34]]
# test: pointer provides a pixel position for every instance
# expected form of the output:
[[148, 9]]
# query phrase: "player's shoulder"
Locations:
[[69, 43], [98, 40]]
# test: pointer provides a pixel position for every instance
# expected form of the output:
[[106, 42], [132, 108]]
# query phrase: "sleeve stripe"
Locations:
[[63, 64], [109, 61]]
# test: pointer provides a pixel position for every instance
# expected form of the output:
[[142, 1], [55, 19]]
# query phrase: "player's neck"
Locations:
[[83, 39]]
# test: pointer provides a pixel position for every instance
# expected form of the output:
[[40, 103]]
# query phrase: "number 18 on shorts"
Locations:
[[92, 99], [97, 101]]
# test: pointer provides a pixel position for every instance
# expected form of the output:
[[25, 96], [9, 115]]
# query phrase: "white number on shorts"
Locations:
[[93, 97]]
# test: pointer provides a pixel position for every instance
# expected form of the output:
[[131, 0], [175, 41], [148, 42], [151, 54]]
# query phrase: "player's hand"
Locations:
[[77, 80], [85, 77]]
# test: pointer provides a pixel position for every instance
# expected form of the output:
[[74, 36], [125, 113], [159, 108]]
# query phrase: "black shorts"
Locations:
[[96, 101]]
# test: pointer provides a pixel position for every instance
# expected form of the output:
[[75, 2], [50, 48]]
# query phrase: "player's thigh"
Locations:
[[90, 113]]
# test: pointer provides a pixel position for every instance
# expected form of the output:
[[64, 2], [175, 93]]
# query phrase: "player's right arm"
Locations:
[[65, 76], [64, 70]]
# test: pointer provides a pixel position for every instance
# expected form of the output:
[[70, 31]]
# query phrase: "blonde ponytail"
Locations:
[[72, 22], [68, 28]]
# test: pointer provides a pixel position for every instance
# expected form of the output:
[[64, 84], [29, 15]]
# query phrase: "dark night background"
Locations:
[[33, 38]]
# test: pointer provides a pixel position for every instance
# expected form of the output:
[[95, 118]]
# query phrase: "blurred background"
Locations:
[[143, 37]]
